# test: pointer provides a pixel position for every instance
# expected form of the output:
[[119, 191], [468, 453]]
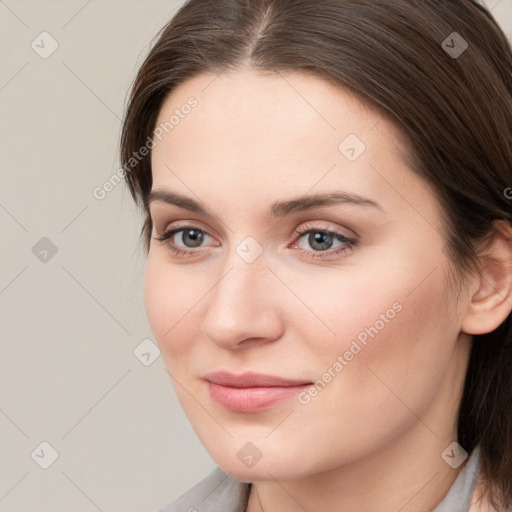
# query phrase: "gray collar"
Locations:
[[458, 498]]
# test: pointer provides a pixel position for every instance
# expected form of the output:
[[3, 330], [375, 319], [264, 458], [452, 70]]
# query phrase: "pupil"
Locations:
[[323, 239], [196, 237]]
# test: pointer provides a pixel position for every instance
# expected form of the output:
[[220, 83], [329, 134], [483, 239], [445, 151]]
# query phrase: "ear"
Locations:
[[491, 303]]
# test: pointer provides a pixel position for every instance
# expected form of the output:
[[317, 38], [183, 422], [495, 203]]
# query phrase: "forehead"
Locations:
[[298, 103], [268, 129]]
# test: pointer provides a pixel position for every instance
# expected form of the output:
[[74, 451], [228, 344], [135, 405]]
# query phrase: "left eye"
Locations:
[[322, 240]]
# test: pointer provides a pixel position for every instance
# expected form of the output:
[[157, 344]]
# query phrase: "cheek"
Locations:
[[169, 302], [158, 297], [368, 397], [394, 328]]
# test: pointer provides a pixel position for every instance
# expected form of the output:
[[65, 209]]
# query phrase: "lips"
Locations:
[[251, 392], [250, 380]]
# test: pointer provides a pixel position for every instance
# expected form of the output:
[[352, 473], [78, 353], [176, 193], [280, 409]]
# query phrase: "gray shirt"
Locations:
[[218, 492]]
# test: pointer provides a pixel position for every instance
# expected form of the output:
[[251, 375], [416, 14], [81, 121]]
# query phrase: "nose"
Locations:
[[242, 308]]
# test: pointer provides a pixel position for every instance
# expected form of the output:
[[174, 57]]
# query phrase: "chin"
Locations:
[[266, 468]]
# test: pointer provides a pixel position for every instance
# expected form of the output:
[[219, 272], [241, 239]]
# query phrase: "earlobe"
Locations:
[[491, 303]]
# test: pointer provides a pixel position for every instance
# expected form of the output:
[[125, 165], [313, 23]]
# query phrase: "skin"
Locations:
[[372, 438]]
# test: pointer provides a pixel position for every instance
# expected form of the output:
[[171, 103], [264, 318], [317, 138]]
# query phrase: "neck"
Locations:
[[387, 481]]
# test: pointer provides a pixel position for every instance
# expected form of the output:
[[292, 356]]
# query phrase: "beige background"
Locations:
[[69, 324]]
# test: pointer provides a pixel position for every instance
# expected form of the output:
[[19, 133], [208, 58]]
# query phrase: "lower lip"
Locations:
[[252, 399]]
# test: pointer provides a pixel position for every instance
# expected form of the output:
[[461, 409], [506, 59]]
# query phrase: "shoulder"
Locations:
[[216, 492]]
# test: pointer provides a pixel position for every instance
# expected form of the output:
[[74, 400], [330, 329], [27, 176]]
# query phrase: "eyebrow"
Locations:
[[276, 209]]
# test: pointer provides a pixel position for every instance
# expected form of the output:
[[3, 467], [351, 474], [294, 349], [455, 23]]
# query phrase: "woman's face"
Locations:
[[360, 306]]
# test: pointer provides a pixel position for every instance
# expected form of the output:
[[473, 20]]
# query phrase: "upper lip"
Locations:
[[250, 379]]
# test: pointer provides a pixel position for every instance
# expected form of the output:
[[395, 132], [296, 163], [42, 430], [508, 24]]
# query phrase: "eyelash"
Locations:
[[349, 242]]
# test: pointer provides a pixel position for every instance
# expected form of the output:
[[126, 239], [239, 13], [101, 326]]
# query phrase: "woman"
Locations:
[[327, 201]]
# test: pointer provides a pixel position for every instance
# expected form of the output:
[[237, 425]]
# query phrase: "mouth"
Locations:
[[251, 392]]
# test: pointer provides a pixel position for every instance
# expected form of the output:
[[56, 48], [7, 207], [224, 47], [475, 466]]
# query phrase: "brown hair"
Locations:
[[402, 57]]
